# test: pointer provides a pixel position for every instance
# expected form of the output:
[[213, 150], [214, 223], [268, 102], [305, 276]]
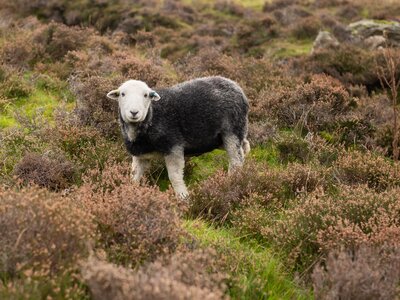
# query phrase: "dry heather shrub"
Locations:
[[378, 110], [184, 12], [367, 273], [221, 194], [145, 39], [350, 64], [366, 168], [135, 67], [312, 105], [354, 129], [17, 51], [64, 286], [229, 7], [136, 222], [42, 233], [57, 39], [15, 143], [46, 42], [12, 85], [329, 3], [93, 106], [294, 181], [293, 147], [251, 74], [251, 219], [106, 57], [291, 14], [260, 132], [26, 8], [188, 275], [324, 152], [86, 146], [349, 12], [321, 222], [55, 173], [303, 179], [209, 62], [279, 4], [307, 28], [253, 33]]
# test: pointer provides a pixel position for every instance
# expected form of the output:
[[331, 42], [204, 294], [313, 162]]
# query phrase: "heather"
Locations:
[[313, 213]]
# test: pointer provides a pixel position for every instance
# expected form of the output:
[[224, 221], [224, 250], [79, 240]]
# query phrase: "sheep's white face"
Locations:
[[134, 98]]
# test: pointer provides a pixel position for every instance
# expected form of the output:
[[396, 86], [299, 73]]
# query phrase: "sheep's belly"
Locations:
[[204, 148], [151, 155]]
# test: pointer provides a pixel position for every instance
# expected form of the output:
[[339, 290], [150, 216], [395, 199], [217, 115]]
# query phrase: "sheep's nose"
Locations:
[[134, 113]]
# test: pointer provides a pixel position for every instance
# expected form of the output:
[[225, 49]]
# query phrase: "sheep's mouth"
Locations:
[[134, 119]]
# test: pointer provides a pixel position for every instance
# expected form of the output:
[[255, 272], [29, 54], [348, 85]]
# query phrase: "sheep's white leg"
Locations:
[[175, 162], [235, 151], [246, 147], [139, 166]]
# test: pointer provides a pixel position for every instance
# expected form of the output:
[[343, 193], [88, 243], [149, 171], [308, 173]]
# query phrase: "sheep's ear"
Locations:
[[154, 96], [114, 95]]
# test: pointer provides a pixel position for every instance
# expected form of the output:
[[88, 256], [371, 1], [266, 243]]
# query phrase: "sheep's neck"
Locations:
[[133, 129], [131, 132]]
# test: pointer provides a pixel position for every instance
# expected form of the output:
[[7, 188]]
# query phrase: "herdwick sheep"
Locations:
[[192, 118]]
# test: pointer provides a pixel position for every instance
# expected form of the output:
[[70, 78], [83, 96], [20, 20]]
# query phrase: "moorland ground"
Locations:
[[315, 211]]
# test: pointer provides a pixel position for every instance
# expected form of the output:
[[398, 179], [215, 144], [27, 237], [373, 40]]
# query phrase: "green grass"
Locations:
[[253, 4], [266, 153], [40, 100], [255, 272], [290, 48], [7, 121], [205, 165]]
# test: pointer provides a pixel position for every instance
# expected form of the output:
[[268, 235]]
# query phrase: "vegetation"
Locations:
[[313, 213]]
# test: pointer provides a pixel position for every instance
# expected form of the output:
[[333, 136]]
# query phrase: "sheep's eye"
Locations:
[[122, 94], [145, 95]]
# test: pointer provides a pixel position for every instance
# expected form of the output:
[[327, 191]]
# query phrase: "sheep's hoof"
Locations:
[[135, 180], [184, 196]]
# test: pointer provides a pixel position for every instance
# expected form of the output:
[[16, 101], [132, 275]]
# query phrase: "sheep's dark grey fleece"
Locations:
[[195, 115]]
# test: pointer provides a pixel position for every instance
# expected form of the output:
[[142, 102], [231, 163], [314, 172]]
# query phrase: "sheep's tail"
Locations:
[[246, 146]]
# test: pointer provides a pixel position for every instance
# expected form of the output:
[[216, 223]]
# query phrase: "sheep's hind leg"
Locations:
[[175, 162], [139, 167], [246, 147], [233, 147]]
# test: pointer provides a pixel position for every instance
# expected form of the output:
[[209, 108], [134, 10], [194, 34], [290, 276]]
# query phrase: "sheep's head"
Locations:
[[134, 98]]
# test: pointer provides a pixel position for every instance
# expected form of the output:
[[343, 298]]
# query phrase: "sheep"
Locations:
[[192, 118]]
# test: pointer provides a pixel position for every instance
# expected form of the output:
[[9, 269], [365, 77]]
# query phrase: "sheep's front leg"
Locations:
[[139, 166], [175, 163]]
